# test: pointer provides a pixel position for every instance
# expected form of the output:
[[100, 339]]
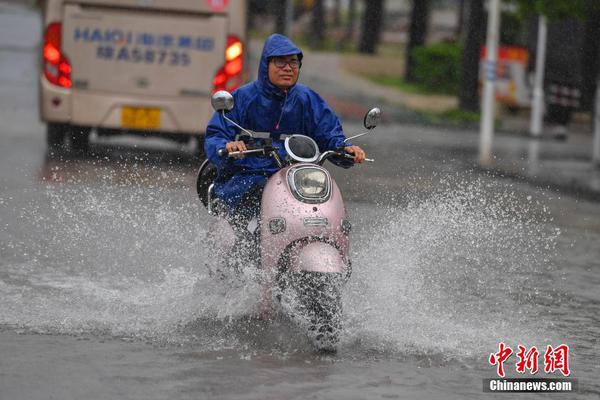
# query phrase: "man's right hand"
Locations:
[[236, 145]]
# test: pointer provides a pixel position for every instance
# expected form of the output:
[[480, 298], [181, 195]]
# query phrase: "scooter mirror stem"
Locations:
[[236, 125], [371, 120], [355, 136]]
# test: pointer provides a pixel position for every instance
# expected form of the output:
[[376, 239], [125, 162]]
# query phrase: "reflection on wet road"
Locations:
[[104, 289]]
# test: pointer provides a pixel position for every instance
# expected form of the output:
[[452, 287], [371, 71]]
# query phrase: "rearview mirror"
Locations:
[[372, 118], [222, 101]]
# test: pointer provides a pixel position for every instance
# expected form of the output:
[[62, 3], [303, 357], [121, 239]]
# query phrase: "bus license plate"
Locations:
[[140, 117]]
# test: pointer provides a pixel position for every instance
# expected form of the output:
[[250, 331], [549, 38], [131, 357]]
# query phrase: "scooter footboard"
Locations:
[[317, 257]]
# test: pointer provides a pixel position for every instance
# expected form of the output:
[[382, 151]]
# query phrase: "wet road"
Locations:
[[104, 291]]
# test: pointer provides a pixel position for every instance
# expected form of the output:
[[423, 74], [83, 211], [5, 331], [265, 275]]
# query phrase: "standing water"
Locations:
[[111, 267], [104, 290]]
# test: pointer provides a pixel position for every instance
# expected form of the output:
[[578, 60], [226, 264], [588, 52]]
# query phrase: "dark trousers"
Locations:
[[249, 208], [247, 244]]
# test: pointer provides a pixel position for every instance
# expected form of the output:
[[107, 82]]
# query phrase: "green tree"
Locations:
[[588, 11], [318, 25], [278, 9], [371, 27], [553, 9], [591, 56], [417, 35], [349, 34]]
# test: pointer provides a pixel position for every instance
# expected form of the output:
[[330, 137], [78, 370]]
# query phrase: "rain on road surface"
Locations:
[[104, 291]]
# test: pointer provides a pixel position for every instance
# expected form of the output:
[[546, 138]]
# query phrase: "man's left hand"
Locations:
[[359, 154]]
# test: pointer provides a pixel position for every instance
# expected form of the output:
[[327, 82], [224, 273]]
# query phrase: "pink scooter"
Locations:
[[303, 231]]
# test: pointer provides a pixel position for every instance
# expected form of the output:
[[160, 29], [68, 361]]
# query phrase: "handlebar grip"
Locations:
[[349, 156], [222, 152]]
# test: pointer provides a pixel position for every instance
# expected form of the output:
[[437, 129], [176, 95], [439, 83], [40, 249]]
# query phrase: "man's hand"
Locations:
[[359, 154], [236, 145]]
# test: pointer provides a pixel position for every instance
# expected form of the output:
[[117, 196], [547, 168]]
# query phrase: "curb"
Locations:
[[573, 188]]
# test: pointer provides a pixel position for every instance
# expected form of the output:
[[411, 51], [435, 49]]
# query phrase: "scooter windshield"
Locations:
[[301, 148]]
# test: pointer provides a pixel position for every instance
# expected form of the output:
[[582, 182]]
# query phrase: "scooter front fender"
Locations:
[[317, 257]]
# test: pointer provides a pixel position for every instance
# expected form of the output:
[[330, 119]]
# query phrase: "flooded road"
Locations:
[[104, 290]]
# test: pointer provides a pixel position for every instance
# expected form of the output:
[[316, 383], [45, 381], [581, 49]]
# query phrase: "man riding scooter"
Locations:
[[274, 103]]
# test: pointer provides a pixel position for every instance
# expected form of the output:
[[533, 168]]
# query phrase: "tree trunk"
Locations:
[[351, 18], [417, 35], [469, 76], [596, 125], [318, 25], [460, 20], [278, 7], [371, 28], [336, 13], [590, 57], [249, 17]]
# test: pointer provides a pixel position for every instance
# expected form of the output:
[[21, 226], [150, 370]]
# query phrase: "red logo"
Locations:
[[555, 359], [217, 5], [498, 358], [527, 360]]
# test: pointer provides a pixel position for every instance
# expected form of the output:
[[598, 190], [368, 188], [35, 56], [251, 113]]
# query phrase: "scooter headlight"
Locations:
[[310, 184]]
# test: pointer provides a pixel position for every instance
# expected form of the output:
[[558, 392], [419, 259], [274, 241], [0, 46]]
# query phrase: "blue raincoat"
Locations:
[[263, 107]]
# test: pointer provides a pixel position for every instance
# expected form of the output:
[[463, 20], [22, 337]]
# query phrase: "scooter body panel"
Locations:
[[305, 224], [317, 257]]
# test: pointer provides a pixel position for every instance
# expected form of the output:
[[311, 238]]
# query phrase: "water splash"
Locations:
[[121, 261], [451, 274]]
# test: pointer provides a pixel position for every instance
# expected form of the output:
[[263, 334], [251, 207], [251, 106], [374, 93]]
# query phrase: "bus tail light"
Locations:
[[230, 75], [57, 68]]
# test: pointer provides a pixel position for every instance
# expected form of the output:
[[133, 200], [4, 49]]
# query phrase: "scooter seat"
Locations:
[[206, 177]]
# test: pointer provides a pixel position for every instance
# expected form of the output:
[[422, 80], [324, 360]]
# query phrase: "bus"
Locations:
[[143, 67]]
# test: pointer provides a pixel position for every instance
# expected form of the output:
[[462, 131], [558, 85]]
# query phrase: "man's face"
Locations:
[[284, 71]]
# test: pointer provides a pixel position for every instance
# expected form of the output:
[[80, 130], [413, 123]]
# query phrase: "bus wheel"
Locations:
[[55, 137]]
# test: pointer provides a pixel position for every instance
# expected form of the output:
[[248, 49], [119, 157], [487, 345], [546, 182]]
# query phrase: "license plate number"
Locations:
[[140, 117]]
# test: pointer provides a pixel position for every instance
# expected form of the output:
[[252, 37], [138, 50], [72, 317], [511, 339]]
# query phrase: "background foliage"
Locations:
[[437, 66]]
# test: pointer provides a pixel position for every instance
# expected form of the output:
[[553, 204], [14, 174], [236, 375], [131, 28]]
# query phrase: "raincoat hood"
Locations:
[[276, 45]]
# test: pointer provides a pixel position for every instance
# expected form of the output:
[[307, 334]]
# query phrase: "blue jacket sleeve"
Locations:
[[218, 133], [327, 128]]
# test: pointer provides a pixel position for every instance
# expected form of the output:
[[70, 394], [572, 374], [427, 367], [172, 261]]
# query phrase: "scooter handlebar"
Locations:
[[222, 152], [225, 153], [349, 156], [262, 151]]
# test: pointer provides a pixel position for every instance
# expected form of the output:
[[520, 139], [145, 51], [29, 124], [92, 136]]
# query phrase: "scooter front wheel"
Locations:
[[318, 302]]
